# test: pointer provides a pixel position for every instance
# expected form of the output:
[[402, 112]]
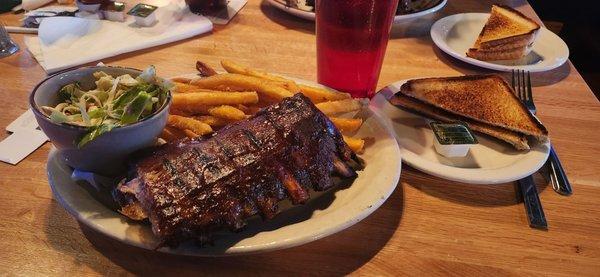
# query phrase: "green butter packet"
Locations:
[[142, 10], [453, 133]]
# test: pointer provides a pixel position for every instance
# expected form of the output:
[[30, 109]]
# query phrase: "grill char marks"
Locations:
[[189, 188]]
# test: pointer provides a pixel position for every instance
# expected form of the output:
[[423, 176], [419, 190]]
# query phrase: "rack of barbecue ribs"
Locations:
[[190, 188]]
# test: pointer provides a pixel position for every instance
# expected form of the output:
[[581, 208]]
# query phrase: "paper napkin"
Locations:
[[34, 4], [25, 139], [65, 42], [20, 144], [25, 121]]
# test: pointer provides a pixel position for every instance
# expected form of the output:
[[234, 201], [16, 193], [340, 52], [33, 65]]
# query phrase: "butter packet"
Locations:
[[144, 14], [452, 139]]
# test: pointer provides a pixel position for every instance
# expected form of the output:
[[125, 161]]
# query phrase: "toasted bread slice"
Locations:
[[518, 141], [505, 25], [506, 30], [495, 55], [484, 98]]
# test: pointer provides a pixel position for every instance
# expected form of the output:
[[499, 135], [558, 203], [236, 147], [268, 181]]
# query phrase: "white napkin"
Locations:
[[25, 138], [34, 4], [65, 42], [19, 145]]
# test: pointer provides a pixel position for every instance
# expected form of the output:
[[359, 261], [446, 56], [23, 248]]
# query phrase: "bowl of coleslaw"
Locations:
[[98, 116]]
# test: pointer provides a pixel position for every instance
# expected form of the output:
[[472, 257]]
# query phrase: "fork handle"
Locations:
[[558, 177]]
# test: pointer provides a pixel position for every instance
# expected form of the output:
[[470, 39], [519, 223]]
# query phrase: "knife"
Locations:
[[533, 207]]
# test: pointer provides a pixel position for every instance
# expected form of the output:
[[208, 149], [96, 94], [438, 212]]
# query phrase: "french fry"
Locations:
[[253, 109], [243, 108], [242, 82], [227, 112], [190, 133], [182, 80], [292, 86], [212, 121], [318, 95], [233, 67], [266, 101], [186, 101], [357, 145], [231, 113], [289, 85], [340, 106], [189, 111], [167, 135], [187, 88], [185, 123], [177, 134], [347, 124]]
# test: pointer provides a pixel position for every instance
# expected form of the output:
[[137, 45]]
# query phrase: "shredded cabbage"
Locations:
[[113, 103]]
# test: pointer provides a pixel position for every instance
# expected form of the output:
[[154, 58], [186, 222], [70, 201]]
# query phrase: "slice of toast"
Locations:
[[508, 34], [518, 141], [496, 55], [483, 98]]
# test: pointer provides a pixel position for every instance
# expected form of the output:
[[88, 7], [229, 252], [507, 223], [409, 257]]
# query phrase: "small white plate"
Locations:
[[457, 33], [325, 214], [280, 4], [489, 162]]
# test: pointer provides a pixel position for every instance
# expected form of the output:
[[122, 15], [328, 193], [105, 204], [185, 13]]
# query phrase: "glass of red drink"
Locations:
[[351, 39]]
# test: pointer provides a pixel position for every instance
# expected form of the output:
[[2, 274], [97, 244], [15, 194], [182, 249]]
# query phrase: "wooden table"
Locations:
[[427, 226]]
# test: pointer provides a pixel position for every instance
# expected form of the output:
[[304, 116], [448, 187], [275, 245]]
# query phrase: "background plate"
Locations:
[[325, 214], [397, 19], [455, 34], [489, 162]]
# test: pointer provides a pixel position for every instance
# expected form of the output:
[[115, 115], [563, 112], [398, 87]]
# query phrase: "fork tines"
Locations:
[[522, 88]]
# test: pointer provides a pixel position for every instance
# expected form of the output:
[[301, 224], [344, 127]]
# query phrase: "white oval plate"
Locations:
[[489, 162], [325, 214], [457, 33], [311, 15]]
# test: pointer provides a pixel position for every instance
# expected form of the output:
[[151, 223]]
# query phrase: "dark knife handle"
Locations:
[[558, 177], [533, 205]]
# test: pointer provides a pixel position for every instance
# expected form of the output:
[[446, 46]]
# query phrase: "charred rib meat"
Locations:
[[188, 188]]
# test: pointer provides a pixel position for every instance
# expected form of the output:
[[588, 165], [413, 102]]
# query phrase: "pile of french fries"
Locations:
[[204, 104]]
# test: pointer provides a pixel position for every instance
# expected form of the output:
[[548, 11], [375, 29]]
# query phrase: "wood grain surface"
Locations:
[[429, 226]]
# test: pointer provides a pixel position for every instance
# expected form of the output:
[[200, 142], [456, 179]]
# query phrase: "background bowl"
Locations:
[[106, 154], [91, 7]]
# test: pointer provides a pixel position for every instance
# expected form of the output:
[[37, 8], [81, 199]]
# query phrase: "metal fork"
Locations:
[[7, 46], [558, 177], [527, 188]]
